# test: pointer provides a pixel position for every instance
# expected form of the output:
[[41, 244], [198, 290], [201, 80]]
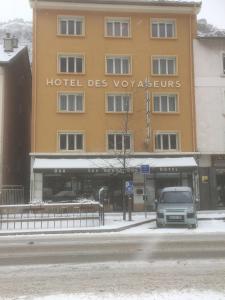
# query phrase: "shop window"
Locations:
[[166, 141], [71, 26], [117, 27], [164, 65], [70, 141], [118, 65], [163, 28], [165, 103], [118, 103], [119, 142], [70, 102], [71, 64]]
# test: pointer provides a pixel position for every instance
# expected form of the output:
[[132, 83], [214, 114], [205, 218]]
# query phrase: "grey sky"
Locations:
[[212, 10]]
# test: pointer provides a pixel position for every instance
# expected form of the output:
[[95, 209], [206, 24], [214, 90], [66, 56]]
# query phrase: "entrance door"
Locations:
[[220, 186]]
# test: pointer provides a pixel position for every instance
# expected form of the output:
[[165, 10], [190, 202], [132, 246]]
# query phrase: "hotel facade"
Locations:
[[113, 91]]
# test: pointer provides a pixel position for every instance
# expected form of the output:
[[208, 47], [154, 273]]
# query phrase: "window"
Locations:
[[163, 28], [119, 141], [118, 65], [165, 103], [118, 103], [70, 102], [223, 63], [164, 65], [166, 141], [71, 64], [70, 141], [117, 27], [71, 26]]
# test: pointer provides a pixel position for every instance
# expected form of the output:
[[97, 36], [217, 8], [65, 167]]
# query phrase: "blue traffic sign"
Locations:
[[145, 169]]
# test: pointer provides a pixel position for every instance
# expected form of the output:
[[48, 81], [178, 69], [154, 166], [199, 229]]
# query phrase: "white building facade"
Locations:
[[209, 61]]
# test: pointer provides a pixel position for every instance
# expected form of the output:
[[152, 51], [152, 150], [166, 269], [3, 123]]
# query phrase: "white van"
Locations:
[[176, 205]]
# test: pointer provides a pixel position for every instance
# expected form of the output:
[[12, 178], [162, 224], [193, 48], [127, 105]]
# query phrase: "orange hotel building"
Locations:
[[113, 90]]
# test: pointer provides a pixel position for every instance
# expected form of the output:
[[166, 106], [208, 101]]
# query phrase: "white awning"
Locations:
[[95, 163]]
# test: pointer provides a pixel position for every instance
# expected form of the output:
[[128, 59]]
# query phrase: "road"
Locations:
[[111, 263]]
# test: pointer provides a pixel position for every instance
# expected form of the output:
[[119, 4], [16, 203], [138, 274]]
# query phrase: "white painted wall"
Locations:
[[210, 95]]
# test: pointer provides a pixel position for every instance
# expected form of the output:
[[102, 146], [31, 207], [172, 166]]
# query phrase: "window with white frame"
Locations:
[[71, 25], [70, 102], [163, 28], [117, 27], [118, 102], [71, 64], [118, 65], [119, 141], [223, 63], [164, 65], [71, 141], [166, 141], [165, 103]]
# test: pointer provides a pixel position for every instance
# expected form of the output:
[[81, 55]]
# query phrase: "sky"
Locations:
[[212, 10]]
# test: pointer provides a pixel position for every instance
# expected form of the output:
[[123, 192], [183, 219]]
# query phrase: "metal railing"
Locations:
[[11, 194], [50, 216]]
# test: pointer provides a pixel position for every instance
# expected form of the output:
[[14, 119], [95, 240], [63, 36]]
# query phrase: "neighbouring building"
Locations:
[[113, 91], [15, 120], [210, 115]]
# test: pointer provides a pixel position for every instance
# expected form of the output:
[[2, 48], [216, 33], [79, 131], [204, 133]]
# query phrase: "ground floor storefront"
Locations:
[[63, 179]]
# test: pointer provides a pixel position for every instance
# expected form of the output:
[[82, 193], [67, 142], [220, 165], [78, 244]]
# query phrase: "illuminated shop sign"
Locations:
[[97, 83]]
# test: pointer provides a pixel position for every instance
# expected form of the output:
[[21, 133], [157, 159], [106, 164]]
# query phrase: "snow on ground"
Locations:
[[171, 295]]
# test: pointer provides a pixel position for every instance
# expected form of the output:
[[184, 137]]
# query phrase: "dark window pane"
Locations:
[[63, 101], [71, 144], [119, 144], [63, 64], [117, 28], [63, 27], [71, 64], [109, 28], [109, 66], [158, 142], [162, 31], [163, 66], [125, 66], [171, 66], [172, 103], [156, 103], [118, 103], [71, 103], [79, 140], [71, 27], [155, 66], [127, 142], [170, 31], [155, 30], [165, 140], [79, 67], [126, 103], [125, 31], [164, 107], [62, 141], [111, 142], [110, 103], [79, 103], [173, 141], [78, 27], [117, 65]]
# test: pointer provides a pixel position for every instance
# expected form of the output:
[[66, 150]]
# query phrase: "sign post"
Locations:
[[129, 190], [145, 169]]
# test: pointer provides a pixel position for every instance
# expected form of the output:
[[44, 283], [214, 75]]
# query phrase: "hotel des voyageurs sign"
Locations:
[[98, 83]]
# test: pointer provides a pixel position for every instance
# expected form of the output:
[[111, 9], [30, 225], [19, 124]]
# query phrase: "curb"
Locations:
[[106, 230]]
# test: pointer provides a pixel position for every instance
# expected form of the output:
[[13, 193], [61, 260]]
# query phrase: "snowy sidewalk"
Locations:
[[114, 223]]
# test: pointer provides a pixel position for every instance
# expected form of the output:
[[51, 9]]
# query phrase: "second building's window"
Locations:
[[119, 141], [118, 103], [117, 27], [164, 65], [70, 102], [70, 141], [118, 65], [71, 25], [165, 103], [71, 64]]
